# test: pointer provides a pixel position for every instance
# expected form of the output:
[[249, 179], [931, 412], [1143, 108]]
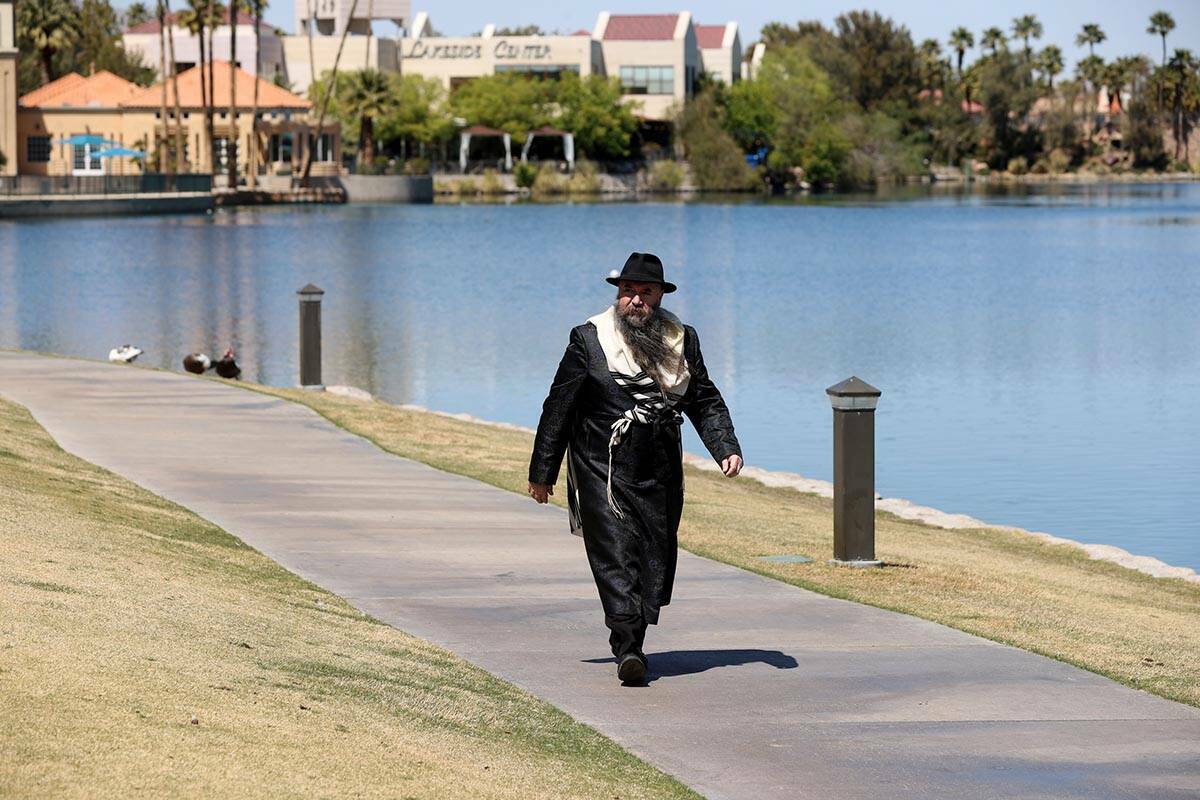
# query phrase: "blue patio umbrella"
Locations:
[[114, 152], [92, 139]]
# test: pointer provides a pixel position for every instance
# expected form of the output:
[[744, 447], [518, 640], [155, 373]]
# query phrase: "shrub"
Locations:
[[548, 181], [492, 184], [416, 166], [467, 187], [664, 176], [1059, 160], [524, 174], [1018, 165], [584, 180], [444, 187]]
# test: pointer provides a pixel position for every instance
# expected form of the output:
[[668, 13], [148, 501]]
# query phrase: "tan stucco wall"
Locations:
[[450, 58], [360, 52], [677, 53], [132, 128], [8, 88], [8, 114]]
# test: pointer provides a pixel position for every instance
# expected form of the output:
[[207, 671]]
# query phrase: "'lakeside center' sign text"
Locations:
[[501, 51]]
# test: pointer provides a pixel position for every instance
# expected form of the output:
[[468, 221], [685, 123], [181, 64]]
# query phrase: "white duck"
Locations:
[[125, 354]]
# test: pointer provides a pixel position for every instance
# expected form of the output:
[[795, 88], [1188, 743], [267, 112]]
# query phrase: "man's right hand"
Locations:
[[540, 491]]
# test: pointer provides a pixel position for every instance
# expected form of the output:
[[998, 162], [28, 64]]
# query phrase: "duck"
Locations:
[[125, 354], [226, 367], [197, 363]]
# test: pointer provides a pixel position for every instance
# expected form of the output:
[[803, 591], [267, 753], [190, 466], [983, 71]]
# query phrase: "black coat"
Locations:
[[632, 559]]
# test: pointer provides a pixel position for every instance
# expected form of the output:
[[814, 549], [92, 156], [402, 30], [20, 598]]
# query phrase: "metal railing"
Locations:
[[29, 185]]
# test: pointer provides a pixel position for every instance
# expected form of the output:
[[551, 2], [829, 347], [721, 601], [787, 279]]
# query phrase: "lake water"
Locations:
[[1038, 351]]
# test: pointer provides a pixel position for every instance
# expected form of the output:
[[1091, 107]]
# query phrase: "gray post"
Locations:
[[854, 402], [310, 337]]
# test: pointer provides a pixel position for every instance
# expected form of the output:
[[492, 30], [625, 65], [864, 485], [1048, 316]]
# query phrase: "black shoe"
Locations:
[[631, 668]]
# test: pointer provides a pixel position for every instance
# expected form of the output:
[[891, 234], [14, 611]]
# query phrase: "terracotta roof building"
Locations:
[[66, 126]]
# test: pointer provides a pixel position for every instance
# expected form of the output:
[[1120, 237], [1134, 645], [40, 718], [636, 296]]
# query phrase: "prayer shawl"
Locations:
[[653, 404]]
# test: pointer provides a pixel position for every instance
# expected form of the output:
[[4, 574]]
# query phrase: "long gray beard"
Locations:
[[647, 344]]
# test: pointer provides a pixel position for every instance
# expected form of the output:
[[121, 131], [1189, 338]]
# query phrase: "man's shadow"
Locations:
[[673, 663]]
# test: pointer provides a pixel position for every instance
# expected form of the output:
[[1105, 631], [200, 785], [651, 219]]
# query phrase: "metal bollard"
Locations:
[[854, 402], [310, 337]]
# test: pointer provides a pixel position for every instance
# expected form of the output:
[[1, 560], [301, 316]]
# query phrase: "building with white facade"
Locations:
[[720, 51], [325, 21], [144, 39]]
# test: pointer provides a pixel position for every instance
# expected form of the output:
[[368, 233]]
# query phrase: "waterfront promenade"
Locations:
[[760, 689]]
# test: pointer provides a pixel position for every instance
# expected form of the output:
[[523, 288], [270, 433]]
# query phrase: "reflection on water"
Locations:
[[1037, 349]]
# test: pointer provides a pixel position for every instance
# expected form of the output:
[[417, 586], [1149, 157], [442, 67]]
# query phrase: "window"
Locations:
[[324, 147], [540, 71], [648, 80], [221, 153], [82, 159], [281, 148], [37, 149]]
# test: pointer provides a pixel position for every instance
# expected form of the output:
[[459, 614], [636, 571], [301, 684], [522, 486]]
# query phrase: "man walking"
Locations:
[[615, 403]]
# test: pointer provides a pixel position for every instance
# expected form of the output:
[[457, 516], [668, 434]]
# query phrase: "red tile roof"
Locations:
[[222, 19], [102, 90], [269, 95], [710, 37], [643, 27]]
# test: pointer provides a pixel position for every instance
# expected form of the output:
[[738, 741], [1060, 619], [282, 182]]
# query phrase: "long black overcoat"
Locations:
[[632, 559]]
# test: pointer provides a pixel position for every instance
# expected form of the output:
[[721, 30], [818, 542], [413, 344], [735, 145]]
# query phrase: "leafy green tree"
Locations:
[[1007, 97], [751, 115], [591, 109], [993, 39], [884, 65], [505, 101], [418, 114], [47, 27], [1050, 63], [1180, 81], [717, 162], [99, 45], [1091, 35], [1161, 23], [521, 30], [961, 40], [1091, 71], [1025, 28], [809, 135]]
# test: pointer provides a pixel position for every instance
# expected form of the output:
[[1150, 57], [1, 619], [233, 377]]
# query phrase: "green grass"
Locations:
[[147, 652]]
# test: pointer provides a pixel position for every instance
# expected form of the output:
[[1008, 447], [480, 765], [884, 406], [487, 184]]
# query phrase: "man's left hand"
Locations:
[[731, 466]]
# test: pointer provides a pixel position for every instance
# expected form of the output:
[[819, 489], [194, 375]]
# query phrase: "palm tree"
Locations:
[[136, 14], [1050, 63], [1091, 70], [328, 94], [213, 9], [931, 63], [179, 159], [368, 97], [235, 6], [258, 6], [1026, 28], [1091, 35], [50, 26], [161, 147], [195, 19], [961, 40], [1183, 76], [993, 39], [1161, 23]]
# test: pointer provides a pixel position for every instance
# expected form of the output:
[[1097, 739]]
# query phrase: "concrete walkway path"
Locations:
[[760, 690]]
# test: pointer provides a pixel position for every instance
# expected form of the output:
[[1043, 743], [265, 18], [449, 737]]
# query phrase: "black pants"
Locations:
[[628, 633]]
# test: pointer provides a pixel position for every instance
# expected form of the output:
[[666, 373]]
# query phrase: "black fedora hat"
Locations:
[[643, 268]]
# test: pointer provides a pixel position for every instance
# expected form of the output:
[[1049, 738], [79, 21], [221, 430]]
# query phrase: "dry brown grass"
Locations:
[[1009, 587], [123, 618]]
